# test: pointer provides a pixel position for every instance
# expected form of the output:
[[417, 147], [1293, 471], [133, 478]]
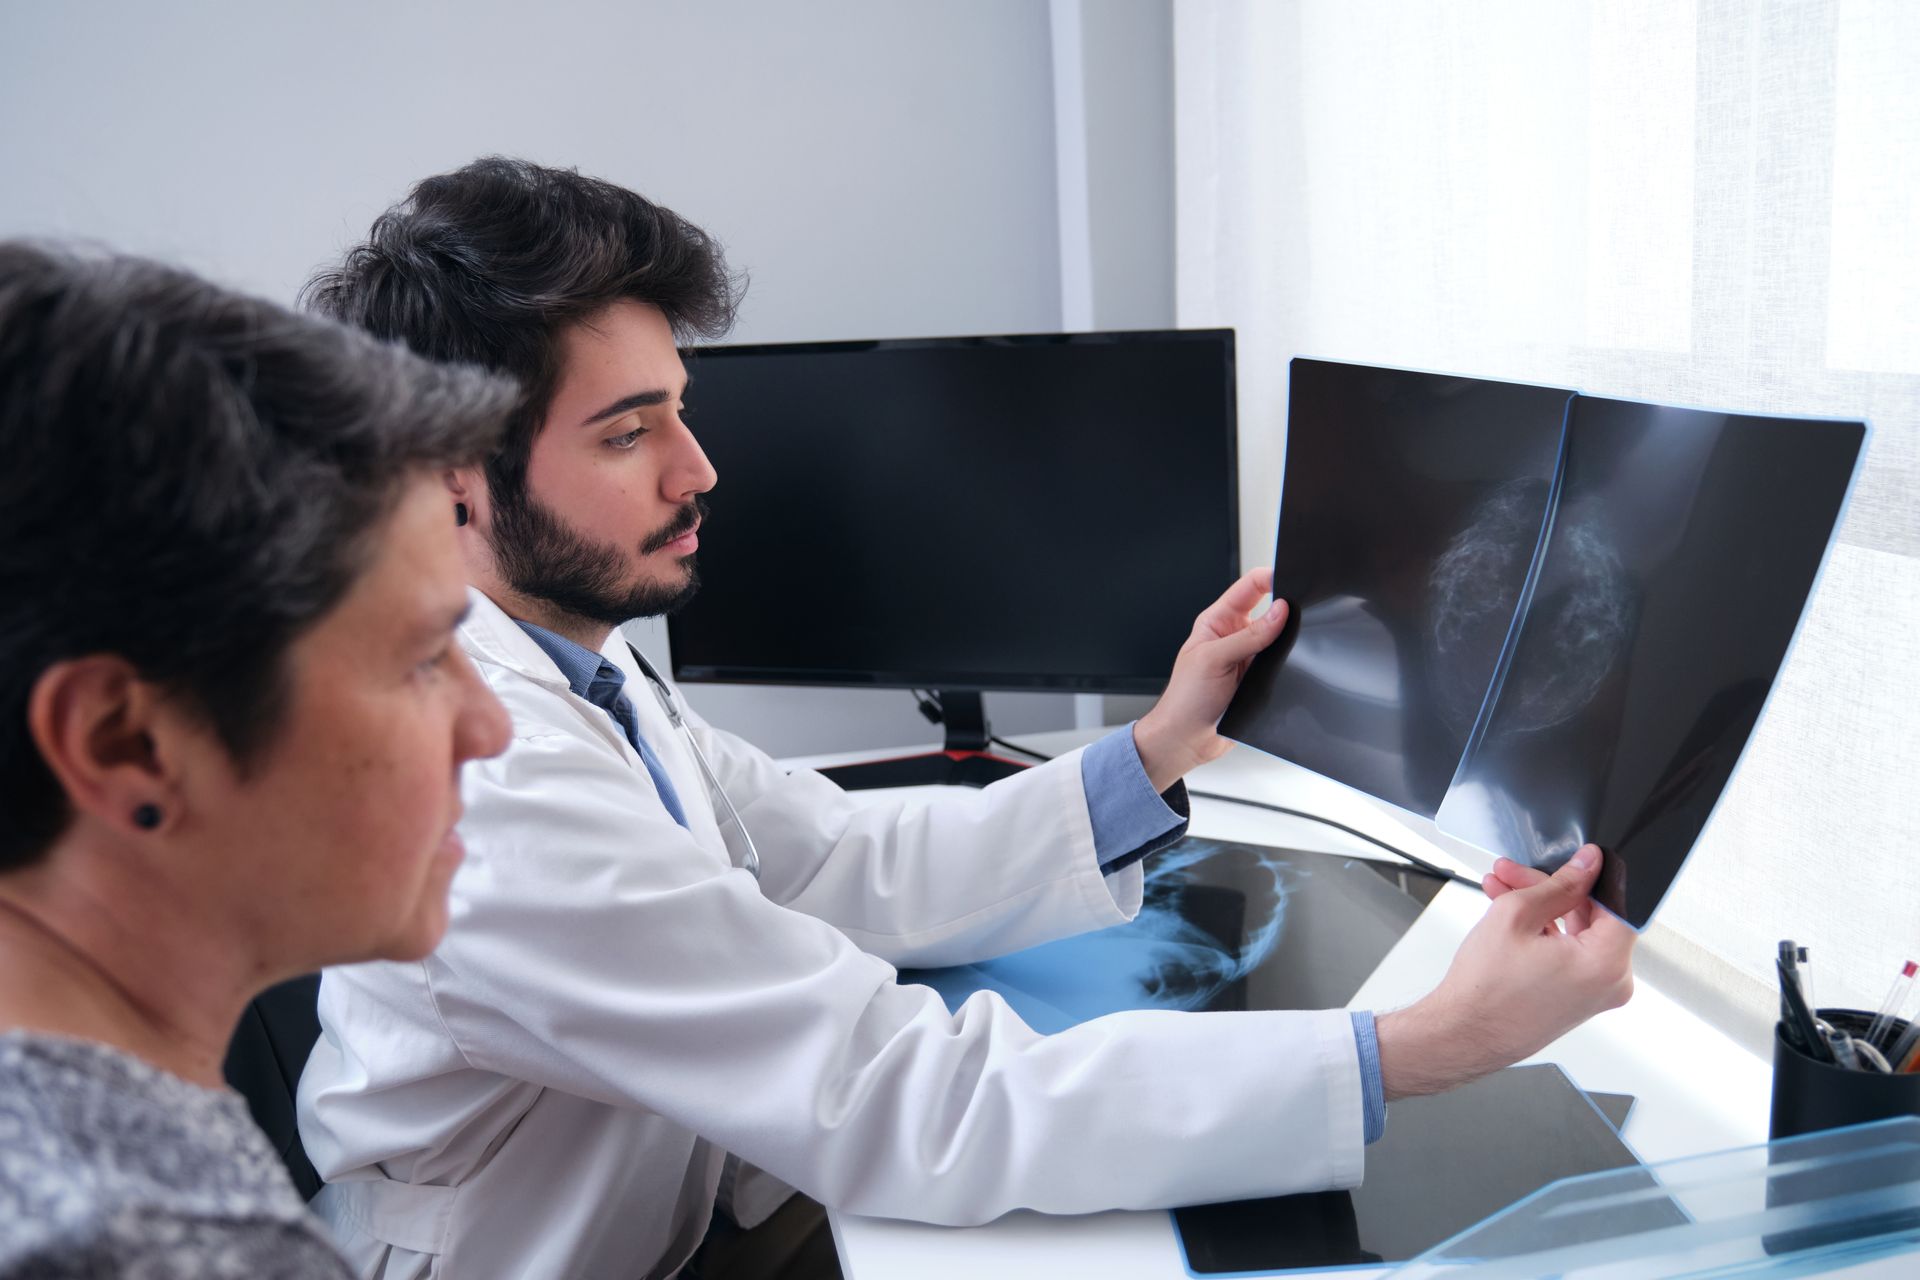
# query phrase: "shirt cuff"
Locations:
[[1130, 820], [1372, 1092]]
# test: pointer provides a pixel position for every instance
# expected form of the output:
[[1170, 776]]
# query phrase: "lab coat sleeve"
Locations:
[[607, 956], [961, 876]]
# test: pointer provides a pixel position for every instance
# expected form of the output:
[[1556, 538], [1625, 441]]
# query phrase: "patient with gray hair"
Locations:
[[232, 721]]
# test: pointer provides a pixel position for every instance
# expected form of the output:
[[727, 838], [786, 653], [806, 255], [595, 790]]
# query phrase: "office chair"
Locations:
[[264, 1061]]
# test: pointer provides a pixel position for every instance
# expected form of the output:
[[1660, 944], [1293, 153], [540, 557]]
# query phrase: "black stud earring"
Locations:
[[147, 817], [459, 513]]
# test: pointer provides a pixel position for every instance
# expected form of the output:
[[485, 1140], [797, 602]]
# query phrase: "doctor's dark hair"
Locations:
[[488, 265], [192, 479]]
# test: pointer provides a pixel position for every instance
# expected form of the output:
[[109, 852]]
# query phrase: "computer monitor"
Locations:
[[1038, 511]]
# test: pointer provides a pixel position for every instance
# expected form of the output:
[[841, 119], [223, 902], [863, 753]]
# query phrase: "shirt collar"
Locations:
[[579, 664]]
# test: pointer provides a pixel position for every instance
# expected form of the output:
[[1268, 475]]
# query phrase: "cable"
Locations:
[[1419, 862], [1414, 860], [1014, 746]]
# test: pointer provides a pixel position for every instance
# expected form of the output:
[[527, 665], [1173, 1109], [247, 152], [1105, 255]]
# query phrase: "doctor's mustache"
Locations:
[[689, 518]]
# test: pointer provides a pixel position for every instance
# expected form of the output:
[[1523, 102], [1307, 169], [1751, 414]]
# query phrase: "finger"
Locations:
[[1610, 938], [1228, 614], [1580, 918], [1496, 887], [1541, 904], [1517, 875], [1226, 652]]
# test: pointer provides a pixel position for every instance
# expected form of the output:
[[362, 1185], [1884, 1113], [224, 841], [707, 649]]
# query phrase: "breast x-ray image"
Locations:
[[1539, 618], [1676, 565], [1412, 509]]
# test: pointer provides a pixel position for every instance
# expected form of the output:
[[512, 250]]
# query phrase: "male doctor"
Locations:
[[620, 1001]]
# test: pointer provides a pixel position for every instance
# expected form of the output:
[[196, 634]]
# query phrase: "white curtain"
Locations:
[[1713, 204]]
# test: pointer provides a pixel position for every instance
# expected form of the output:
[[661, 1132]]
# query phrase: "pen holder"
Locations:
[[1809, 1094]]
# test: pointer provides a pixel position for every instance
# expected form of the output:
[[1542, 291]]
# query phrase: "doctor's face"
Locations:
[[607, 526]]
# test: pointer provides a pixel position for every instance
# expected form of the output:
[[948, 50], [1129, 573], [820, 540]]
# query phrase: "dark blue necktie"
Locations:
[[608, 692]]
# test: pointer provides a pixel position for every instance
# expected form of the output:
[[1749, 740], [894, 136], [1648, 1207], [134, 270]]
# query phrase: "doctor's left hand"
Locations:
[[1179, 733]]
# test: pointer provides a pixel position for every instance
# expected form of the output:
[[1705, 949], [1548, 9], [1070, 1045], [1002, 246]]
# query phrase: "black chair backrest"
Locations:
[[264, 1061]]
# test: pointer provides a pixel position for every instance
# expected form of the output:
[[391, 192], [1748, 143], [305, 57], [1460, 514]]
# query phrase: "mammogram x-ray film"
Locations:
[[1678, 559], [1537, 644], [1412, 510]]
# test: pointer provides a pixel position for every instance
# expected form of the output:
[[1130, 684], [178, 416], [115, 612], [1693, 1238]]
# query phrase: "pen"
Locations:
[[1787, 957], [1896, 996], [1801, 1019]]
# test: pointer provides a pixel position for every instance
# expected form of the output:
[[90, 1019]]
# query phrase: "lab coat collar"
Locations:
[[491, 635]]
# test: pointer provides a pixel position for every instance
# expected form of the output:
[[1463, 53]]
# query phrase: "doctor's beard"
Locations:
[[542, 557]]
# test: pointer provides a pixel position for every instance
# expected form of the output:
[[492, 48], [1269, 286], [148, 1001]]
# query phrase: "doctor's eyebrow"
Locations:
[[638, 400], [627, 404]]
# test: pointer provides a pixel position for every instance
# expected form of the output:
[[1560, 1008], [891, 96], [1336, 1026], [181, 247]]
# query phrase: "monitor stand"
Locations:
[[963, 761]]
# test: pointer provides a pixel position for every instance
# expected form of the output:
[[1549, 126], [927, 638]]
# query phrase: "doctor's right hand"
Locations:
[[1542, 961], [1180, 733]]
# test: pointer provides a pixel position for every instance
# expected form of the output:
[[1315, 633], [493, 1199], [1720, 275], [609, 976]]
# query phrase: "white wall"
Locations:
[[880, 167]]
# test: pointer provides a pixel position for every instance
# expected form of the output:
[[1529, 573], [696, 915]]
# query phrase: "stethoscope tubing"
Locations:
[[750, 863]]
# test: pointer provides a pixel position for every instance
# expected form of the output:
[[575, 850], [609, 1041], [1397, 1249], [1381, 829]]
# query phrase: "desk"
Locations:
[[1718, 1099]]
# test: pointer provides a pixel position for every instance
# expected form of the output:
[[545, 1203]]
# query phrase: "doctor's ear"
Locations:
[[464, 485]]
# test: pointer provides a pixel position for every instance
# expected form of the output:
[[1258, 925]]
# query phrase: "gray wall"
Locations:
[[1127, 80], [881, 168], [1127, 70]]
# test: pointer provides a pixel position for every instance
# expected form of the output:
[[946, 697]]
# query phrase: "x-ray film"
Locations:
[[1537, 617], [1413, 507], [1675, 568], [1222, 926]]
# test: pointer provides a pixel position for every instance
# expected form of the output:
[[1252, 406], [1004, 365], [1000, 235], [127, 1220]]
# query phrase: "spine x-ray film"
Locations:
[[1539, 618]]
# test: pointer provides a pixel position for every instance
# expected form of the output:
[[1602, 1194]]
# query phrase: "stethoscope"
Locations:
[[750, 862]]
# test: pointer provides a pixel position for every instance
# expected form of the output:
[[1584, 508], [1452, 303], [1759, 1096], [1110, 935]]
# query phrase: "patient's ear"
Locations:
[[110, 738]]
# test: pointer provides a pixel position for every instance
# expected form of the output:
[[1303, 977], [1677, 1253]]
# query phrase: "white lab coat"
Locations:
[[614, 1007]]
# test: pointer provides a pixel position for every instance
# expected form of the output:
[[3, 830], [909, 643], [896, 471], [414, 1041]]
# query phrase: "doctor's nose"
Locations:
[[689, 472]]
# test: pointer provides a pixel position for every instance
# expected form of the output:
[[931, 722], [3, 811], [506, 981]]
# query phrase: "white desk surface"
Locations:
[[1698, 1090]]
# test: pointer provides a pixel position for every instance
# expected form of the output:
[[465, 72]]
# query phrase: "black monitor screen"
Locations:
[[1045, 511]]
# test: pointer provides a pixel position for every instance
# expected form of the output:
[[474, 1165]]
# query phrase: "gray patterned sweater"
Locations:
[[112, 1168]]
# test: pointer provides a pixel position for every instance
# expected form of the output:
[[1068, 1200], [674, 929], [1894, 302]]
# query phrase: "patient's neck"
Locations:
[[133, 975]]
